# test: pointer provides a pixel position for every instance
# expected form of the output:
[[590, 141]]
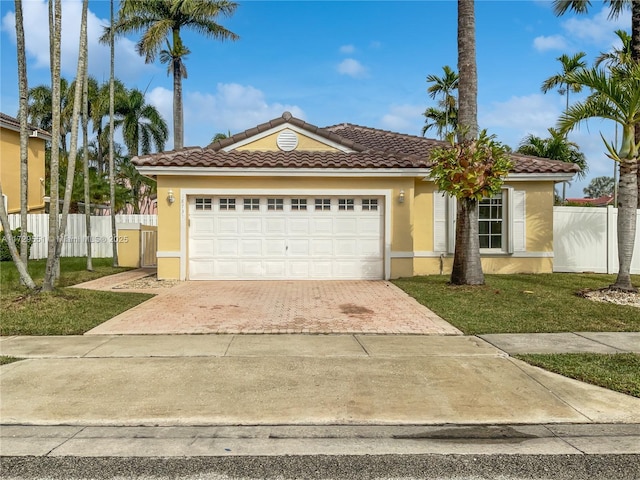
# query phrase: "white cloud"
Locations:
[[233, 107], [129, 65], [347, 49], [552, 42], [520, 116], [404, 118], [352, 67], [595, 29]]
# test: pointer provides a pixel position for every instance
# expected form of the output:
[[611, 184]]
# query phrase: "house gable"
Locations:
[[288, 138]]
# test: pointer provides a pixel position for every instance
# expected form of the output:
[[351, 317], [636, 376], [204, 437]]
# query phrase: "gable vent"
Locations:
[[287, 141]]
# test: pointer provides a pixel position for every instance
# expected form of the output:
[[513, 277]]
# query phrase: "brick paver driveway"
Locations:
[[279, 307]]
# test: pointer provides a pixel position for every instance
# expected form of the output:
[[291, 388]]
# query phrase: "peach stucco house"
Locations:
[[289, 200]]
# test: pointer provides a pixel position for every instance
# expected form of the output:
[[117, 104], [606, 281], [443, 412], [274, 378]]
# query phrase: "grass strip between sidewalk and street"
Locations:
[[65, 311], [524, 303], [619, 372]]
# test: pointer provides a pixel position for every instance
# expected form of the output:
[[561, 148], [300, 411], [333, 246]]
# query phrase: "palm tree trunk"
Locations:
[[635, 56], [178, 118], [467, 267], [112, 168], [85, 157], [25, 278], [23, 88], [55, 25], [77, 102], [627, 203]]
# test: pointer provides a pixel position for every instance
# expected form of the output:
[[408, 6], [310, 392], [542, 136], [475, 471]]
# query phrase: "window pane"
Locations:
[[484, 241]]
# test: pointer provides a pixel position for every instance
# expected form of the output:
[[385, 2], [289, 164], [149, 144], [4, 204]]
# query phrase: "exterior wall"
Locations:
[[304, 143], [10, 171], [411, 222]]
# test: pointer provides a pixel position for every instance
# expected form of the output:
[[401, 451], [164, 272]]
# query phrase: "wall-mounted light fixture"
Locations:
[[170, 197], [401, 197]]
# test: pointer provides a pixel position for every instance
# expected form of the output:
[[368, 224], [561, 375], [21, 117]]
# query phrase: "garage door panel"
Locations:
[[251, 226], [283, 244], [321, 247], [226, 247], [346, 226], [227, 225], [322, 226], [298, 226], [299, 247], [251, 247], [275, 226]]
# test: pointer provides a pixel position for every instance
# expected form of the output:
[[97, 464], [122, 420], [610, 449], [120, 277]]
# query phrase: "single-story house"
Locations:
[[10, 165], [289, 200]]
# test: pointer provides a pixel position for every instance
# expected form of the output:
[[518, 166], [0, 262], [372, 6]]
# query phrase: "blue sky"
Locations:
[[332, 61]]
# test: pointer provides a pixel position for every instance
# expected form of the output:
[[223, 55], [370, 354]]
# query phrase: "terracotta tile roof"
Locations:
[[602, 201], [373, 148], [206, 157], [13, 123]]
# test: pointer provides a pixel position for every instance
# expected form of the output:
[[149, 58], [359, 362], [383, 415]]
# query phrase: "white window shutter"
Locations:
[[518, 219], [439, 222]]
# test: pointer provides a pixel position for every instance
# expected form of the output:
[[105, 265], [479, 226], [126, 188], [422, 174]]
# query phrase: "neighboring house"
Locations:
[[289, 200], [603, 201], [10, 165]]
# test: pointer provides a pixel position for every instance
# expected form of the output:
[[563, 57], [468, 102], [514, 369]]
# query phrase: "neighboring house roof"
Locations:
[[372, 148], [596, 202], [12, 123]]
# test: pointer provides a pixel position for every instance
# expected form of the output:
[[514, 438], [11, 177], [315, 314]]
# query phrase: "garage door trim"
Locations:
[[185, 193]]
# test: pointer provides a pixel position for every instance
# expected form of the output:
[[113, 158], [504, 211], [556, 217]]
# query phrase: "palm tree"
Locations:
[[616, 98], [161, 22], [619, 57], [142, 125], [555, 147], [569, 64], [599, 187], [55, 27], [467, 267], [112, 166], [443, 86], [40, 108], [441, 120], [616, 8]]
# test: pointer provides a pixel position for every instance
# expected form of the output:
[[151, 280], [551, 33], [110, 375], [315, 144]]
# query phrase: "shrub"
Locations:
[[5, 255]]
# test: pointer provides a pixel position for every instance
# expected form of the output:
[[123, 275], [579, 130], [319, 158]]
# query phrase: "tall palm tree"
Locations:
[[616, 7], [40, 108], [444, 87], [142, 125], [112, 166], [55, 27], [616, 98], [569, 65], [160, 22], [467, 267]]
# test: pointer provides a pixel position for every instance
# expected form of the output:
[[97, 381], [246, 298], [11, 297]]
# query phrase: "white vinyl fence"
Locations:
[[585, 240], [75, 242]]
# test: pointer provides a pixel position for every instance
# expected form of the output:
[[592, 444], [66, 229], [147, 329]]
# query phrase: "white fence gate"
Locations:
[[75, 241], [585, 239]]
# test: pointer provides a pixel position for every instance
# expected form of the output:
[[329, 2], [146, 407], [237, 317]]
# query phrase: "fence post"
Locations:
[[612, 239]]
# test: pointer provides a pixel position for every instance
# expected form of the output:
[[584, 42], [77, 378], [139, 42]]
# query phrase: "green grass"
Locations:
[[65, 311], [524, 304], [619, 372], [4, 360]]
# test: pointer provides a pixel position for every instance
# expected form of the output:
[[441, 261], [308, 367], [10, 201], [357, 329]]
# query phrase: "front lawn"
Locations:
[[65, 311], [619, 372], [524, 304]]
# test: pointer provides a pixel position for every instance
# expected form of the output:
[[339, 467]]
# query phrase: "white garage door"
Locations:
[[278, 237]]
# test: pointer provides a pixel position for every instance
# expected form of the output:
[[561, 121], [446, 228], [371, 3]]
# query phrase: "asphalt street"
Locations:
[[453, 467]]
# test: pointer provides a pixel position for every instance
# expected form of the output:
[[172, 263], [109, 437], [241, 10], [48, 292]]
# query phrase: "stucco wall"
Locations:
[[10, 171], [411, 222]]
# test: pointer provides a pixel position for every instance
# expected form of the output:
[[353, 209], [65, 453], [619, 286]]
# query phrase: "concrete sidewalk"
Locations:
[[568, 342], [209, 395]]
